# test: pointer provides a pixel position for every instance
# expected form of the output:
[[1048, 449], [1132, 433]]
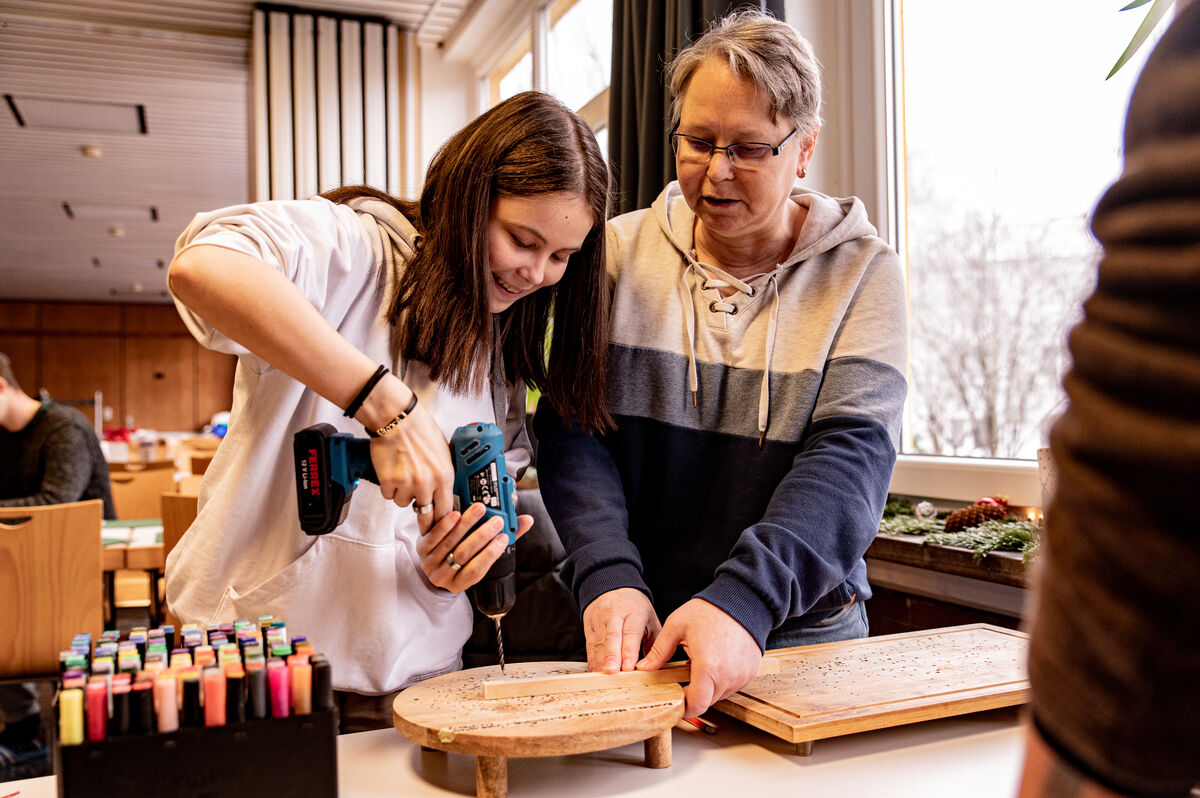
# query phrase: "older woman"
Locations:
[[757, 378]]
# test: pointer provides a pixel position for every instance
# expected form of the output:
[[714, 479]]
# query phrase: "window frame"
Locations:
[[532, 35], [861, 153]]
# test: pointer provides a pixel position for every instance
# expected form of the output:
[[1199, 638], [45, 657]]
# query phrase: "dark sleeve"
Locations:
[[821, 518], [1115, 650], [582, 492], [66, 469]]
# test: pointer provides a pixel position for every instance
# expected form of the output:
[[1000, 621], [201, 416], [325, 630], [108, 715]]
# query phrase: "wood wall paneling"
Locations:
[[152, 320], [140, 356], [76, 366], [18, 316], [214, 384], [160, 379], [21, 349], [79, 317]]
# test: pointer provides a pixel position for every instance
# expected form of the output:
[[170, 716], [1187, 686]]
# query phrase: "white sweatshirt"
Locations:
[[358, 593]]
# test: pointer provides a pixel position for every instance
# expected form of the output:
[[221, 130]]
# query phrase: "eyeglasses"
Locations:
[[746, 155]]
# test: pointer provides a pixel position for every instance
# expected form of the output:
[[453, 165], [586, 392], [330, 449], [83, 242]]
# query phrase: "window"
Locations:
[[1008, 134], [580, 51], [575, 54], [514, 74]]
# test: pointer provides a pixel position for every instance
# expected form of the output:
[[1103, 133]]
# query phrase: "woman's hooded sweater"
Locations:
[[756, 433]]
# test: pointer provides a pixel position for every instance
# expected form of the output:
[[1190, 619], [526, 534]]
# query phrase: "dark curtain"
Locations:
[[646, 35]]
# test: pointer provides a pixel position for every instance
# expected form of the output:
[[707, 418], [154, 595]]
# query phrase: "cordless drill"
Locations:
[[330, 463], [479, 476]]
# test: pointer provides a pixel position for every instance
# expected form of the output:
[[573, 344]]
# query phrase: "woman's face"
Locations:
[[529, 241], [736, 203]]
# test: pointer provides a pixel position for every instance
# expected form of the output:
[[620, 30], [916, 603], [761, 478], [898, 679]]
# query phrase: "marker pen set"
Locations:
[[152, 683], [196, 713]]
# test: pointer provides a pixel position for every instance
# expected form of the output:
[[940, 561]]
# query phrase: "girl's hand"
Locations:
[[411, 460], [455, 558]]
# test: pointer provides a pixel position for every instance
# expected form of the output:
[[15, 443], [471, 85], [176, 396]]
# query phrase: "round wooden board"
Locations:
[[449, 713]]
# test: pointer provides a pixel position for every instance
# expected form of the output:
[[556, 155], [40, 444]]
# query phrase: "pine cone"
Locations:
[[974, 515]]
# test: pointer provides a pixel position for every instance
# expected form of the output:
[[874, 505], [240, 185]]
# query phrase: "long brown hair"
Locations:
[[529, 144]]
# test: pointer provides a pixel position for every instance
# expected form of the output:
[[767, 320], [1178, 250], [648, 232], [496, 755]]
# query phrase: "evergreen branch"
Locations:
[[910, 525], [992, 536]]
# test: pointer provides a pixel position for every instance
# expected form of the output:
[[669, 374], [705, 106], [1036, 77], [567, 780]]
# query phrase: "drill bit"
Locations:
[[500, 643]]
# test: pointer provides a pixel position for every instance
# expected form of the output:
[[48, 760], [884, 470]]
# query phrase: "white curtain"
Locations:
[[334, 104]]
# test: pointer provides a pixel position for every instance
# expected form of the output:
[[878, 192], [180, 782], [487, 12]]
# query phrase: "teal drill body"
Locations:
[[330, 463]]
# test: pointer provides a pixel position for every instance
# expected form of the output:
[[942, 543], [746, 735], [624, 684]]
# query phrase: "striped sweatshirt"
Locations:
[[756, 432]]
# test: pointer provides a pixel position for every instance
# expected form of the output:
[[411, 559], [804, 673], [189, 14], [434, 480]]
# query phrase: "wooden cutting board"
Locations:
[[832, 689]]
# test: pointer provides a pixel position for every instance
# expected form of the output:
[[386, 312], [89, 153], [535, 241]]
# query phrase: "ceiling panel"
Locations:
[[186, 63]]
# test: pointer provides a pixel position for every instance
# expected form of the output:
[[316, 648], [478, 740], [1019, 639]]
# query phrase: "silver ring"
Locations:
[[454, 566], [422, 509]]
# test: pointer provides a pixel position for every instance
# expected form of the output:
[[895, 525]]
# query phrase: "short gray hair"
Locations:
[[772, 54]]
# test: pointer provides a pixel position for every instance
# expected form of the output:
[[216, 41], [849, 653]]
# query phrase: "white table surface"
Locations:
[[978, 755]]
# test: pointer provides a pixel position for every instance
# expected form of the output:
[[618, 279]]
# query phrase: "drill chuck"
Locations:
[[496, 593]]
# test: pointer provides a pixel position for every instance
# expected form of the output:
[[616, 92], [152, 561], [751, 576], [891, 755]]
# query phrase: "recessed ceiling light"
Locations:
[[129, 263], [49, 113], [135, 289], [110, 213]]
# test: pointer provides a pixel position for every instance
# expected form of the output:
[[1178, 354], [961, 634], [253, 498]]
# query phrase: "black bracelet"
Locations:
[[395, 422], [357, 404]]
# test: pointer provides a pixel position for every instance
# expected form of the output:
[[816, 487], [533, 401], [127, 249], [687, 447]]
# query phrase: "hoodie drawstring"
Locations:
[[715, 278], [687, 285], [764, 392]]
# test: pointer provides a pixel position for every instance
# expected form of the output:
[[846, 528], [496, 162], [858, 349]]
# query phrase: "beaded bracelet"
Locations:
[[395, 422], [357, 404]]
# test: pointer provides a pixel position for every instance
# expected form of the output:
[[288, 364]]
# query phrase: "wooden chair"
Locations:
[[189, 485], [50, 583], [136, 487], [200, 463], [178, 512]]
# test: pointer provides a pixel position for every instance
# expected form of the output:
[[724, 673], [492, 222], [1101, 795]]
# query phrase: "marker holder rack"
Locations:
[[296, 755]]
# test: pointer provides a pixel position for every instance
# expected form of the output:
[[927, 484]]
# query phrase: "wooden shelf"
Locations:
[[1000, 567]]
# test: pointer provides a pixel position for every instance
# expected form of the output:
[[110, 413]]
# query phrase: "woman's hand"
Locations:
[[455, 558], [617, 625], [724, 656]]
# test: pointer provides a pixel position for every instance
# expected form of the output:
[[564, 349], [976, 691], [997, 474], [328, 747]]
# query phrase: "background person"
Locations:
[[1114, 661], [757, 363], [448, 292], [49, 453]]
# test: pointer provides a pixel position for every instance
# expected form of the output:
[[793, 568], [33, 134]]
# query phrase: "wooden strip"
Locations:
[[672, 672]]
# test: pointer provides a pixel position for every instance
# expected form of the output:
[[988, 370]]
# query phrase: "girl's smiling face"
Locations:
[[530, 239]]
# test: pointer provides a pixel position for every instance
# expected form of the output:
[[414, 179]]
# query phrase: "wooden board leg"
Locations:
[[658, 750], [155, 602], [110, 593], [491, 777], [804, 748]]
